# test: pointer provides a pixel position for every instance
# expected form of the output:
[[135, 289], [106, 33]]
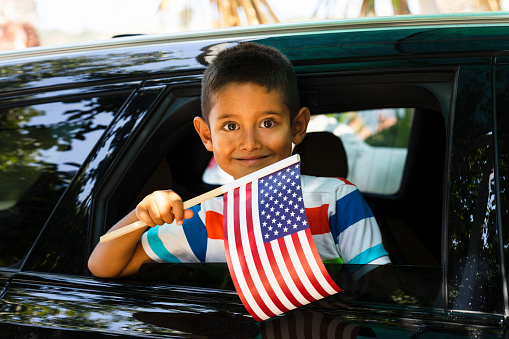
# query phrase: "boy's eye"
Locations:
[[230, 126], [267, 124]]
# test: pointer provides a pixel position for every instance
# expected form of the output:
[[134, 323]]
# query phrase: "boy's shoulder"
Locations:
[[324, 184]]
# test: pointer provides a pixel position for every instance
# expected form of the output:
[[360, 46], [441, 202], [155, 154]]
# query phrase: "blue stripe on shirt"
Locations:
[[157, 246], [196, 234], [350, 209], [369, 255]]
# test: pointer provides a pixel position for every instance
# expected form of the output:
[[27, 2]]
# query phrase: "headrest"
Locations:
[[322, 155]]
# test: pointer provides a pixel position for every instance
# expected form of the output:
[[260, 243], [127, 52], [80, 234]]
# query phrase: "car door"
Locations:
[[47, 136]]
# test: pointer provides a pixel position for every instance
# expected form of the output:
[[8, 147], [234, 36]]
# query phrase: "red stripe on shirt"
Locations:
[[214, 225], [318, 219]]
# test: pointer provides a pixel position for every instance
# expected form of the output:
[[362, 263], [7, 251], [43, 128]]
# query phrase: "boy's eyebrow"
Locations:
[[230, 115], [225, 116]]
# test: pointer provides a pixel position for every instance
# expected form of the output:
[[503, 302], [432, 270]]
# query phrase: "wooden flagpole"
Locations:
[[211, 194]]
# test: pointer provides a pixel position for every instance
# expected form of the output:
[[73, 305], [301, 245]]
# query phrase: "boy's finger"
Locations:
[[153, 211], [176, 205], [188, 214], [178, 211], [161, 205], [143, 215], [155, 206]]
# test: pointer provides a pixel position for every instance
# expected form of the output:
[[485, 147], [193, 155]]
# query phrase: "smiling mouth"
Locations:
[[252, 160]]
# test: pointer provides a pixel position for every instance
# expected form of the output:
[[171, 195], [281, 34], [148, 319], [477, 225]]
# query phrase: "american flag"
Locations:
[[270, 252]]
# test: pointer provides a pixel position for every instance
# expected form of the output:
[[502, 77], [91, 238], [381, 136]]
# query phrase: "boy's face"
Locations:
[[250, 128]]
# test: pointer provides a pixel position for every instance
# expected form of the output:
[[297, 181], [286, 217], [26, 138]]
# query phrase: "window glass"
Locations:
[[42, 148], [376, 145]]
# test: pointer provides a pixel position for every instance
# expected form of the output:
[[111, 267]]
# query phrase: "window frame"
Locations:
[[171, 109]]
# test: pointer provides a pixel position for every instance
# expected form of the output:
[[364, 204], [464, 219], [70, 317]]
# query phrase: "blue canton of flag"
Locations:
[[281, 205]]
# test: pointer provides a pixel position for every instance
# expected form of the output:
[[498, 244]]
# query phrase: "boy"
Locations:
[[250, 117]]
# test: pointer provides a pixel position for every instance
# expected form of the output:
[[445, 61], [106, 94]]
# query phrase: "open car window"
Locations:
[[389, 147], [375, 142]]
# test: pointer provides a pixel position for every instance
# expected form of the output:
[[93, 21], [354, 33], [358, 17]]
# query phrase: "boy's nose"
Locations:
[[250, 141]]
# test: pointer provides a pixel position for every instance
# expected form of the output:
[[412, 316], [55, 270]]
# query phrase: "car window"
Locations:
[[390, 136], [42, 148], [375, 142]]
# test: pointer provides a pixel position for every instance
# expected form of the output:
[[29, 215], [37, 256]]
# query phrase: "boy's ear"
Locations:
[[300, 125], [204, 132]]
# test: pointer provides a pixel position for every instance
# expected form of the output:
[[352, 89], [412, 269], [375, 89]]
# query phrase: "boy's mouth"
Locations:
[[252, 160]]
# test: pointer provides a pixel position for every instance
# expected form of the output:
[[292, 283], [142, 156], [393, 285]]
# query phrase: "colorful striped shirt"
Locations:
[[343, 227]]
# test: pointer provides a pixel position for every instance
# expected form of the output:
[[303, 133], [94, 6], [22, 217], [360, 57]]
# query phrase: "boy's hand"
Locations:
[[162, 207]]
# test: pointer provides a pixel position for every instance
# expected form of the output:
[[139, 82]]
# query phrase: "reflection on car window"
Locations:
[[42, 148], [376, 144]]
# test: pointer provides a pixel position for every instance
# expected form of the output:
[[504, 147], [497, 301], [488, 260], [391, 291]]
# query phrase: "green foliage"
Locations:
[[396, 135]]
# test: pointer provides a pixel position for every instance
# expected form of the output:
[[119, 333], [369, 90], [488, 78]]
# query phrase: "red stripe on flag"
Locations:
[[307, 268], [230, 264], [280, 278], [320, 263], [241, 244], [291, 268], [256, 255]]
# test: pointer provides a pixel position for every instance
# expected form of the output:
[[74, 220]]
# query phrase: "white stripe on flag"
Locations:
[[314, 265], [286, 275], [263, 254], [248, 255], [235, 260], [296, 260]]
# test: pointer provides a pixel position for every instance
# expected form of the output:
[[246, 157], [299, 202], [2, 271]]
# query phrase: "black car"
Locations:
[[417, 108]]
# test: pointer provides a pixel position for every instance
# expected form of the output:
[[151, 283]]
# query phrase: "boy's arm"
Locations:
[[119, 257], [124, 255]]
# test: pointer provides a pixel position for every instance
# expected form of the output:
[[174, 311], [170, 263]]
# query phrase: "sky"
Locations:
[[142, 16]]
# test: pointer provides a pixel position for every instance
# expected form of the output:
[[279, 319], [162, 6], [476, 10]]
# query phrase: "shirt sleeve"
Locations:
[[359, 240], [172, 243]]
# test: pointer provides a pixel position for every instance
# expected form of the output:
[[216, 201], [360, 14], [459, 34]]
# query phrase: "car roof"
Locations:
[[423, 22], [325, 42]]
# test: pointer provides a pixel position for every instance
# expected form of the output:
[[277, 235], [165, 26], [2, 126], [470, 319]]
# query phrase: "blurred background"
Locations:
[[28, 23]]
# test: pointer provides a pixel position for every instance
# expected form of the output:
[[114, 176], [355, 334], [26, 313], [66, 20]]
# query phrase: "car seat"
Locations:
[[322, 155]]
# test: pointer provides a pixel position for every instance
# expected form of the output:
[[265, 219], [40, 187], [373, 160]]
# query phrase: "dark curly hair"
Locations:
[[250, 63]]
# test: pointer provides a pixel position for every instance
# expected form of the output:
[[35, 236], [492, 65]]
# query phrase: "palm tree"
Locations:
[[239, 12], [252, 12], [400, 7], [235, 12]]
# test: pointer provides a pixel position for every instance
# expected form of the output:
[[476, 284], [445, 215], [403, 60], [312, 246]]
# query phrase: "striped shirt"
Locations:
[[343, 227]]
